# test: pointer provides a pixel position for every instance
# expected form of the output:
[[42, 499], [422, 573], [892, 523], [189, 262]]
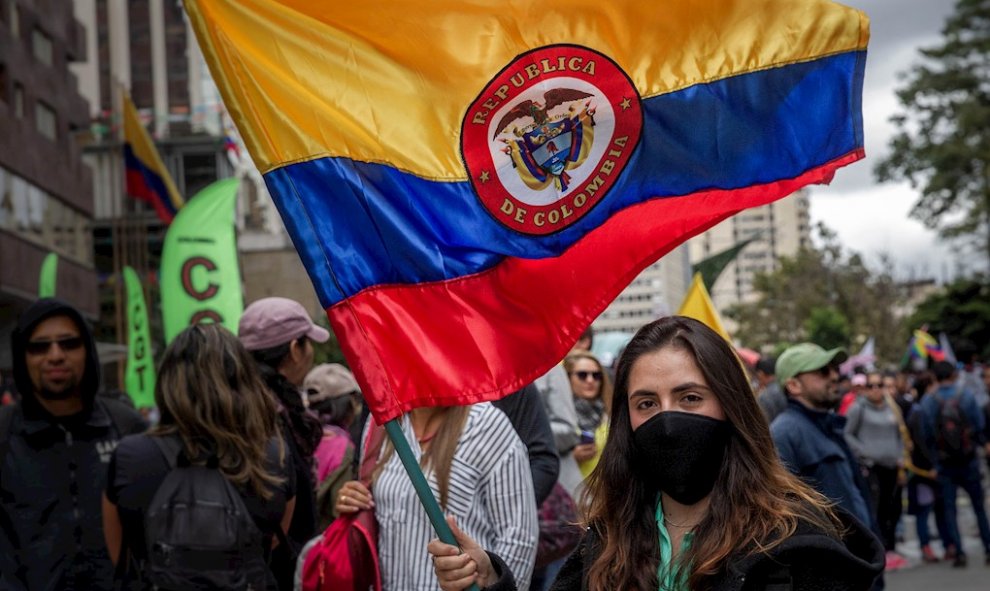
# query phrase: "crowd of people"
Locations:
[[679, 468], [878, 442]]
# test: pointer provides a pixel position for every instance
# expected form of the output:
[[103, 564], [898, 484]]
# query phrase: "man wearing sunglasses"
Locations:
[[54, 448], [809, 434]]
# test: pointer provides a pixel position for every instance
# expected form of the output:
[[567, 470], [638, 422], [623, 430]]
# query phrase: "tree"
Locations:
[[943, 142], [962, 311], [827, 327], [825, 295]]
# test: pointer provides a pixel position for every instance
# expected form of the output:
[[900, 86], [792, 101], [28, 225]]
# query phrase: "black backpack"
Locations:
[[953, 433], [198, 532]]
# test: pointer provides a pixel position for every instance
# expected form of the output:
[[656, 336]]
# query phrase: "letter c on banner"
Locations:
[[187, 282]]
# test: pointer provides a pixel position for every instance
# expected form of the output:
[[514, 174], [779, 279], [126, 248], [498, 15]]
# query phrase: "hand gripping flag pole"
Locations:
[[418, 479]]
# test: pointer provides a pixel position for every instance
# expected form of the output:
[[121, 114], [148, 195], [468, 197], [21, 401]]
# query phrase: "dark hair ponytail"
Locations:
[[307, 431]]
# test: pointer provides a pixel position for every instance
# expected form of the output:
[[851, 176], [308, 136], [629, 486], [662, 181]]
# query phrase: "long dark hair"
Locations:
[[210, 394], [756, 502], [307, 431]]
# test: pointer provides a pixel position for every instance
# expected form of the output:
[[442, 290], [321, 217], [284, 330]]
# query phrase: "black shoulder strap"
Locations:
[[125, 419], [170, 448]]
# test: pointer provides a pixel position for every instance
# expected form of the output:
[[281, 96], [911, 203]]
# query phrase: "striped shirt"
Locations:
[[490, 493]]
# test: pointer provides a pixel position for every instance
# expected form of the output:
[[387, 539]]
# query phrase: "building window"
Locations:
[[18, 100], [41, 46], [200, 170], [44, 119]]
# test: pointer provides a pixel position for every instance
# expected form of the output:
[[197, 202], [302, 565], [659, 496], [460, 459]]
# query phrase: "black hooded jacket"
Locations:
[[52, 472]]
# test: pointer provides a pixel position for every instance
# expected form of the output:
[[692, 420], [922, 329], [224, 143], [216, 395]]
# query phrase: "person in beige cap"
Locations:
[[334, 396], [279, 333]]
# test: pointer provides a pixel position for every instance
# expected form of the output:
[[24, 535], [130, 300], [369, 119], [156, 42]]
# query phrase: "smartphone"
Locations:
[[587, 437]]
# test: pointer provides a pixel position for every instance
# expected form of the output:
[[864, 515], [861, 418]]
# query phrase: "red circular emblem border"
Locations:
[[540, 65]]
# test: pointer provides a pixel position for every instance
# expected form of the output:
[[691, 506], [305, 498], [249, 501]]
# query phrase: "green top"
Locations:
[[670, 578]]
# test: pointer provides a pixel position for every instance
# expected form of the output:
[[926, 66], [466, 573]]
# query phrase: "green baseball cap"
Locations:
[[806, 357]]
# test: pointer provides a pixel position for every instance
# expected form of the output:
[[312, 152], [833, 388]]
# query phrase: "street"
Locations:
[[942, 576]]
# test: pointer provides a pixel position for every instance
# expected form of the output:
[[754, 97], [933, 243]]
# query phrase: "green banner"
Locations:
[[139, 377], [49, 274], [200, 276]]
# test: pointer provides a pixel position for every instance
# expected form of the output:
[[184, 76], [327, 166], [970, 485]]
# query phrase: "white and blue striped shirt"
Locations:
[[490, 494]]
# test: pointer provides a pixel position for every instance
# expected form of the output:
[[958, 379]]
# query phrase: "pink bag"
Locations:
[[346, 557]]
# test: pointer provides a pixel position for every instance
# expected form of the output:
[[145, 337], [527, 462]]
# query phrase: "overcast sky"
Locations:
[[869, 217]]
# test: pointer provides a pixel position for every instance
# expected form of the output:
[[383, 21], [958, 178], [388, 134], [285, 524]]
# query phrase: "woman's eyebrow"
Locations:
[[689, 386], [642, 394]]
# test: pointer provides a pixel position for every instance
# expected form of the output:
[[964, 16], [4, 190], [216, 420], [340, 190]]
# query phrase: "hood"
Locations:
[[28, 321]]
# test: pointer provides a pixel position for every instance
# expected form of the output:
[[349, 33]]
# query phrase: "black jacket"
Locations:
[[52, 472], [809, 560]]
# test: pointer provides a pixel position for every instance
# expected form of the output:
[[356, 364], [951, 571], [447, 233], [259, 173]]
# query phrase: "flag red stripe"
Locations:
[[498, 328], [137, 187]]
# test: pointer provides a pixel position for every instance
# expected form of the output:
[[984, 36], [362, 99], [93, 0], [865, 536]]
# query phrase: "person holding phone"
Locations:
[[592, 392]]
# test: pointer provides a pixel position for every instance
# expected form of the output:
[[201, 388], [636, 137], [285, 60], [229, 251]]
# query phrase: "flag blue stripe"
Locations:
[[358, 224], [152, 180]]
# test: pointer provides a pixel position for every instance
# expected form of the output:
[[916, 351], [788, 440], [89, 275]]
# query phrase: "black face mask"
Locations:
[[680, 454]]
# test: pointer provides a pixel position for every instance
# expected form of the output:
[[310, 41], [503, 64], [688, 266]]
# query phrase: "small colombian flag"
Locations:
[[147, 177]]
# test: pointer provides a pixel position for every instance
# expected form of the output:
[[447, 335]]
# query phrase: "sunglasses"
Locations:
[[66, 344], [874, 386], [584, 375], [825, 372]]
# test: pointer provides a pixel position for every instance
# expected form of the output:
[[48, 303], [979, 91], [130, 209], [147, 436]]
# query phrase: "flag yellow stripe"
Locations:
[[370, 82]]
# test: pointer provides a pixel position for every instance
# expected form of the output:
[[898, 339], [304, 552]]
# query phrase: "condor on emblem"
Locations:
[[546, 139]]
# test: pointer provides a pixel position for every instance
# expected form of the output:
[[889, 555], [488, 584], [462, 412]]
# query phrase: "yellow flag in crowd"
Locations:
[[698, 305]]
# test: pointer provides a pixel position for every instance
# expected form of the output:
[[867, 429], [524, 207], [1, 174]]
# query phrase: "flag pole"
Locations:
[[419, 483]]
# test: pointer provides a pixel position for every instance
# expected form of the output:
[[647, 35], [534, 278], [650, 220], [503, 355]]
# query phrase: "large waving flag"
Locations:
[[469, 184], [147, 177]]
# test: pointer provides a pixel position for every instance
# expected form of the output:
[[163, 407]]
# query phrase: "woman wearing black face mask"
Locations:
[[689, 492]]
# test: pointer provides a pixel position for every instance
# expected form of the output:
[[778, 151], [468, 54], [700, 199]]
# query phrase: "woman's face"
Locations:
[[298, 362], [669, 379], [586, 379], [874, 389]]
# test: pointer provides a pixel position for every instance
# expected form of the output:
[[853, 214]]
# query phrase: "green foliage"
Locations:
[[943, 141], [962, 311], [828, 327], [824, 295]]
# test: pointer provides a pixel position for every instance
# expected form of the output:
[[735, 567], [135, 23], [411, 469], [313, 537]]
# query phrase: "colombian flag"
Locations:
[[147, 177], [470, 183]]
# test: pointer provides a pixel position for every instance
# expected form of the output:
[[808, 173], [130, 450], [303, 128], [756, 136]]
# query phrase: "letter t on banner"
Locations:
[[139, 378]]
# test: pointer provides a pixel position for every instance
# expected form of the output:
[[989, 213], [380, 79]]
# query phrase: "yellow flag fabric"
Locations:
[[698, 305], [364, 80]]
